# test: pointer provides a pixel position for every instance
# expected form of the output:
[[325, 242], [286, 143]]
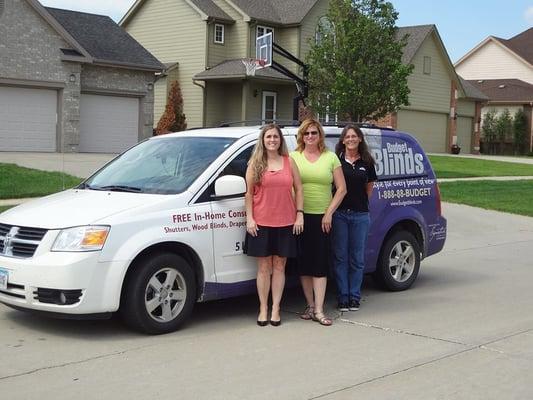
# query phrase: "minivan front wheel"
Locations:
[[399, 261], [159, 295]]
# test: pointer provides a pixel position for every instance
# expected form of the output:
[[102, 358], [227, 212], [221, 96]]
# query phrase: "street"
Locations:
[[463, 331]]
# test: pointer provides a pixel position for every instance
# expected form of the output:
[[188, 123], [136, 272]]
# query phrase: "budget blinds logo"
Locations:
[[397, 159]]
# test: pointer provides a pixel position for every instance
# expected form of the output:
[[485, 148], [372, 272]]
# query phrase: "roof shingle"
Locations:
[[276, 11], [103, 39], [415, 36], [505, 90], [209, 8], [235, 69], [521, 44]]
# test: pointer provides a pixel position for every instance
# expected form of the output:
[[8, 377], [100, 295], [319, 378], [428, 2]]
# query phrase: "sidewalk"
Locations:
[[519, 160]]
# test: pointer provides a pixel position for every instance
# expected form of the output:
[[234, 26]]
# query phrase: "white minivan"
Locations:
[[161, 227]]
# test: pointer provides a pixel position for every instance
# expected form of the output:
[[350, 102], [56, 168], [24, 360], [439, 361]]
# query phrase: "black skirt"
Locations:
[[314, 257], [271, 241]]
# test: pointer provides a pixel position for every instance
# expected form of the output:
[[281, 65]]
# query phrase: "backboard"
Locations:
[[263, 49]]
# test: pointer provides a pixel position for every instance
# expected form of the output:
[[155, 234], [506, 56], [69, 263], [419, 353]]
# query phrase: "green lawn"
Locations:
[[18, 182], [508, 196], [459, 167]]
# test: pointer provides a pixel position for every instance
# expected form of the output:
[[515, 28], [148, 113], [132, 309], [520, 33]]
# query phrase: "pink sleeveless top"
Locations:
[[273, 202]]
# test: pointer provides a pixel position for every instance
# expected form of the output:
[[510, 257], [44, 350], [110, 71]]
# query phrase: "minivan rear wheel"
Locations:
[[399, 261], [159, 295]]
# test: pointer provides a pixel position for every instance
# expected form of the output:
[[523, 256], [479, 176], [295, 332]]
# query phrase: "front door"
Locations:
[[269, 106]]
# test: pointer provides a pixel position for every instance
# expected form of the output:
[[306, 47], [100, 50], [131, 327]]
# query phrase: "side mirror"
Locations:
[[230, 185]]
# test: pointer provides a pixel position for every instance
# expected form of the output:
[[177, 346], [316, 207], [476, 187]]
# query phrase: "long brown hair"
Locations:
[[258, 160], [340, 148], [303, 128]]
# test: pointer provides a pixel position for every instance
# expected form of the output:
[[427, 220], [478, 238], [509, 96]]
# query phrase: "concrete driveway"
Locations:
[[77, 164], [464, 331]]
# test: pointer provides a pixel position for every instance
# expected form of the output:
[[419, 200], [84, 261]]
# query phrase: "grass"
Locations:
[[19, 182], [460, 167], [508, 196]]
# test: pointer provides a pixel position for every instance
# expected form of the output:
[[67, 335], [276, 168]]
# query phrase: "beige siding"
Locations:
[[172, 31], [308, 27], [216, 51], [492, 61], [288, 38], [236, 34], [285, 94], [428, 127], [430, 92], [466, 108], [223, 102]]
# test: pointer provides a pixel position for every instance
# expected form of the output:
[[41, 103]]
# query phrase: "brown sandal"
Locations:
[[308, 313], [322, 319]]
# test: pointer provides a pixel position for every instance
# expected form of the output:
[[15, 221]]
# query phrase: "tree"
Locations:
[[519, 131], [489, 130], [173, 119], [504, 126], [355, 68]]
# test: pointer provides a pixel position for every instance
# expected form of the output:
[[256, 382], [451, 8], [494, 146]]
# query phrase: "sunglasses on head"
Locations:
[[314, 133]]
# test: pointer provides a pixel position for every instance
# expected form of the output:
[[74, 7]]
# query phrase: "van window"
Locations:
[[159, 166]]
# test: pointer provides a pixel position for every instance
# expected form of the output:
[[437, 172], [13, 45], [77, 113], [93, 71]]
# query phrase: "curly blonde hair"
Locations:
[[258, 160], [303, 128]]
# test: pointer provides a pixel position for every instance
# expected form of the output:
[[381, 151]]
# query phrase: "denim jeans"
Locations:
[[350, 231]]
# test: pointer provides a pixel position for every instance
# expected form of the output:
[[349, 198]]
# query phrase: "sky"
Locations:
[[462, 24]]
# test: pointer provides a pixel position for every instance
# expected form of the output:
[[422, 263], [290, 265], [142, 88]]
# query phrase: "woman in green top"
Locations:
[[319, 168]]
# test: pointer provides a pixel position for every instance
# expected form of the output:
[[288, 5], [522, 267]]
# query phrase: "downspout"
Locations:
[[204, 101]]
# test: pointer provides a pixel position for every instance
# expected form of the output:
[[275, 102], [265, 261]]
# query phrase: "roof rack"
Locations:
[[288, 122]]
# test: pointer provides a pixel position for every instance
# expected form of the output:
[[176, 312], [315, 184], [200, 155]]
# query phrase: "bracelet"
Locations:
[[302, 211]]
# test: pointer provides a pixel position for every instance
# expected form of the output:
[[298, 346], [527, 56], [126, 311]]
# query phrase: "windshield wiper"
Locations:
[[118, 188]]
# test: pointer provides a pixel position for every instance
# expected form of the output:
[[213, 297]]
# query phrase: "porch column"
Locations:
[[477, 127], [452, 126]]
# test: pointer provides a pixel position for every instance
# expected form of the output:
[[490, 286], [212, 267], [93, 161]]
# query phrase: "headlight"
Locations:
[[81, 238]]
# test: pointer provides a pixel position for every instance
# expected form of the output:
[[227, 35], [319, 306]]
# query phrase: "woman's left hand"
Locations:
[[298, 226], [326, 223]]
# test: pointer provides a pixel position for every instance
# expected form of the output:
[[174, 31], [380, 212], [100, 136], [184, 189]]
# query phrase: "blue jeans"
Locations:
[[350, 230]]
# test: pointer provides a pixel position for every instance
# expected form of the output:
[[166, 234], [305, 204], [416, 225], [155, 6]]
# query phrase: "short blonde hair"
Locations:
[[303, 128]]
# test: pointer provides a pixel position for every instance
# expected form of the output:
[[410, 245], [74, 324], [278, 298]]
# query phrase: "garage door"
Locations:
[[465, 127], [108, 124], [27, 119], [429, 128]]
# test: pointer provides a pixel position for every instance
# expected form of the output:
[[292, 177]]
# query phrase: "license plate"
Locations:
[[3, 279]]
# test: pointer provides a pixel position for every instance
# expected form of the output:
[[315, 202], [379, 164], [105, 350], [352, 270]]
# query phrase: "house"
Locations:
[[71, 81], [205, 41], [442, 110], [503, 70]]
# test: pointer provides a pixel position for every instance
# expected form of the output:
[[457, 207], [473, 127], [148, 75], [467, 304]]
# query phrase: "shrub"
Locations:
[[519, 131], [489, 130], [173, 119]]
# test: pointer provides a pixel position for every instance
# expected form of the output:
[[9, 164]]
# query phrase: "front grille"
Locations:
[[19, 241], [57, 296]]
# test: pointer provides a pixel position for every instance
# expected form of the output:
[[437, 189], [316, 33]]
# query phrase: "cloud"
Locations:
[[115, 8], [528, 15]]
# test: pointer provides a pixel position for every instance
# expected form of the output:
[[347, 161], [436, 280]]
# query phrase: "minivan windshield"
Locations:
[[160, 166]]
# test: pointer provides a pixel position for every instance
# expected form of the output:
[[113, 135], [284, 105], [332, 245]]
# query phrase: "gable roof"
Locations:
[[206, 9], [521, 44], [415, 37], [472, 91], [104, 40], [505, 90], [282, 12]]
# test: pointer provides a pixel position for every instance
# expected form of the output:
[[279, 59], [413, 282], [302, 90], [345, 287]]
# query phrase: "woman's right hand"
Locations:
[[251, 227]]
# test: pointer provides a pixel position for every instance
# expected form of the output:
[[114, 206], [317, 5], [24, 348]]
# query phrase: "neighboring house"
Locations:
[[442, 111], [205, 42], [503, 70], [71, 81]]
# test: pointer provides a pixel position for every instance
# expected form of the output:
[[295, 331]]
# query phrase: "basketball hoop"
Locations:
[[252, 65]]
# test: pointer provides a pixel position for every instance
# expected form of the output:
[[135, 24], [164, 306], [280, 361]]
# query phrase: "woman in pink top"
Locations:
[[274, 215]]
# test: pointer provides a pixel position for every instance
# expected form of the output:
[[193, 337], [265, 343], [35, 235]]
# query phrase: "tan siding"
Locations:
[[466, 107], [236, 34], [494, 62], [308, 27], [285, 94], [430, 92], [223, 102], [172, 31], [288, 38], [216, 51]]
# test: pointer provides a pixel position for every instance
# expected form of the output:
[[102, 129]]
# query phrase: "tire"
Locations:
[[399, 262], [159, 295]]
